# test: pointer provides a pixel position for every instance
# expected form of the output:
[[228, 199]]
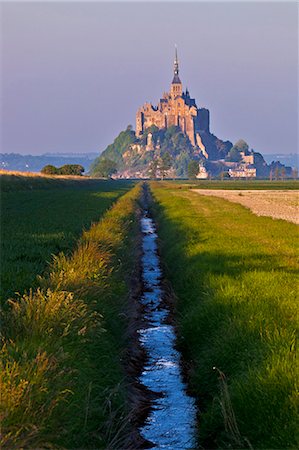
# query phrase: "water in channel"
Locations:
[[171, 422]]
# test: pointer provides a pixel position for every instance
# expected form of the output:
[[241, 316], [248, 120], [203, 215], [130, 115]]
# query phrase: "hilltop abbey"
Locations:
[[176, 107], [176, 133]]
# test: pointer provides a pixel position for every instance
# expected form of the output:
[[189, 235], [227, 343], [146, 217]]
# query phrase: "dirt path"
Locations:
[[276, 204]]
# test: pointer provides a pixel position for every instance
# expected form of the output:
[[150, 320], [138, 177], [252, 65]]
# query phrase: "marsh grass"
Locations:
[[62, 378], [235, 277]]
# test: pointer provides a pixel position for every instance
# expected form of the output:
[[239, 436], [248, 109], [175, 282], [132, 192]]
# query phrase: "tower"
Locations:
[[176, 85]]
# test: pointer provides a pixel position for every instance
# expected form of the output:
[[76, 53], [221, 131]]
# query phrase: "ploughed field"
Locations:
[[277, 204], [71, 249]]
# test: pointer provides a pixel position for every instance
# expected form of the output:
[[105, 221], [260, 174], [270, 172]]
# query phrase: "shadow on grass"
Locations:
[[39, 223]]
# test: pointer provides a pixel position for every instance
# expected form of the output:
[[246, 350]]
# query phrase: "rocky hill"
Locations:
[[169, 152], [136, 156]]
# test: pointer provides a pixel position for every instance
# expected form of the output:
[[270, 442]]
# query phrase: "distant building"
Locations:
[[247, 158], [178, 108], [242, 172], [202, 173]]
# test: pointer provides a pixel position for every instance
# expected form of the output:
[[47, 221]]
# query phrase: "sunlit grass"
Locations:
[[236, 184], [235, 277]]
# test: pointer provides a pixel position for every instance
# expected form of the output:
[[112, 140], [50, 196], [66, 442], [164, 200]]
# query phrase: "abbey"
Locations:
[[176, 107], [174, 134]]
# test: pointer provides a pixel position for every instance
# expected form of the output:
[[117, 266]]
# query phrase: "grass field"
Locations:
[[62, 377], [235, 278], [42, 216], [69, 248], [236, 184]]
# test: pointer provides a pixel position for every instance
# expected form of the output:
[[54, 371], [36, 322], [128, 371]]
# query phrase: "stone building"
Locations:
[[202, 173], [242, 172], [176, 108]]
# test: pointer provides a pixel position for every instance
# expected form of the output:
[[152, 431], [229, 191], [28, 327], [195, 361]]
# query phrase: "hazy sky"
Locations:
[[74, 73]]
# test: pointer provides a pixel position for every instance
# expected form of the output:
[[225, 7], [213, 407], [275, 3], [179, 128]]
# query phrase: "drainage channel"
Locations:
[[171, 421]]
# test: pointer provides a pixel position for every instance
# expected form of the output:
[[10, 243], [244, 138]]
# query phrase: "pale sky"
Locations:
[[73, 74]]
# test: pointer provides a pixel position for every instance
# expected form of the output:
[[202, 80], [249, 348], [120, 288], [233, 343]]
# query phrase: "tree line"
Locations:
[[67, 169]]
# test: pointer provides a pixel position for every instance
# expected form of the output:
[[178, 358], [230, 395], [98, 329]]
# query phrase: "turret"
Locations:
[[176, 88]]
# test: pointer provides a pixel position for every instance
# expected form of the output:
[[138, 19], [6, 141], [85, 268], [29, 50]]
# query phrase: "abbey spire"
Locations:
[[177, 109], [176, 85]]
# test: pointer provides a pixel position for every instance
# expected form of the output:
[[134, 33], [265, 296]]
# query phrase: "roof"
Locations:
[[176, 79]]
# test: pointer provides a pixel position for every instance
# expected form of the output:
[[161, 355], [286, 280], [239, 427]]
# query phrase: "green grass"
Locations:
[[46, 216], [235, 278], [236, 184], [24, 181], [62, 377]]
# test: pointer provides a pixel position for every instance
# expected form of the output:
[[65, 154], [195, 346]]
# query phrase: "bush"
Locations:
[[67, 169], [71, 169], [49, 170]]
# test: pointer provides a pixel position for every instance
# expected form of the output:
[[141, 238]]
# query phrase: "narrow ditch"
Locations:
[[171, 419]]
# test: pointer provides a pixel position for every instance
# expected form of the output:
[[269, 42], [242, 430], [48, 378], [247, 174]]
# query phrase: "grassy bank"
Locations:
[[45, 217], [14, 180], [234, 275], [62, 379], [237, 184]]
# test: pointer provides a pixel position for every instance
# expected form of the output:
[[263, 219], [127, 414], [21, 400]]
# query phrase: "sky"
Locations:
[[73, 74]]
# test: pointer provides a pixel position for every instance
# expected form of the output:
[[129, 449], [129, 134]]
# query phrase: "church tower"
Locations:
[[176, 89]]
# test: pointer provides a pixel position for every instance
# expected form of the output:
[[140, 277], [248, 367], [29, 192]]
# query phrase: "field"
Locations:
[[278, 204], [234, 276], [237, 184], [70, 249], [62, 381], [42, 216]]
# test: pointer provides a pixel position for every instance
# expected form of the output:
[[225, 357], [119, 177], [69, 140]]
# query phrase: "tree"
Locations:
[[49, 170], [181, 164], [105, 168], [71, 169], [283, 173], [192, 169], [165, 164], [153, 167], [67, 169], [114, 152], [276, 172], [224, 174], [241, 146], [234, 153]]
